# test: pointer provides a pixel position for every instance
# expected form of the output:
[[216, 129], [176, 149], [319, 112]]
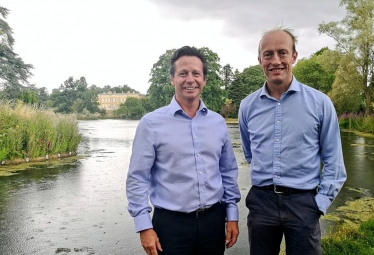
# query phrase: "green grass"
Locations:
[[29, 132]]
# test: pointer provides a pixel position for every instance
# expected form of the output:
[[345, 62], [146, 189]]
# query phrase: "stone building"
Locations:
[[110, 101]]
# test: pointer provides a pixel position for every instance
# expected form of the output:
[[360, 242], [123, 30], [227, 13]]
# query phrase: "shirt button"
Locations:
[[195, 137], [198, 154], [279, 103], [277, 140], [275, 176], [200, 173], [276, 158], [277, 121], [202, 191]]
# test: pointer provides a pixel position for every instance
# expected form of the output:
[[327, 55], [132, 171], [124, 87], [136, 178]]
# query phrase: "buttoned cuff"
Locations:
[[142, 222], [323, 203], [232, 212]]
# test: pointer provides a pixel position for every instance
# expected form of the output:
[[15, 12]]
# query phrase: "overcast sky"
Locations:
[[116, 42]]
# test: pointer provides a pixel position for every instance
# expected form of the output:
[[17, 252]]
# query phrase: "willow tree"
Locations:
[[13, 71], [354, 36]]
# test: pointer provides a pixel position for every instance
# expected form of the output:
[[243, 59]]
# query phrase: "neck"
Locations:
[[189, 107]]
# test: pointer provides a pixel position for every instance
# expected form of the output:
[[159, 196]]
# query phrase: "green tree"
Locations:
[[13, 71], [74, 96], [253, 79], [160, 91], [213, 94], [235, 91], [354, 36], [132, 108], [310, 72], [228, 75]]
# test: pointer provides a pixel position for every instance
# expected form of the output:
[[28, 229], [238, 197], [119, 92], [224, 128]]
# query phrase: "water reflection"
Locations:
[[82, 205]]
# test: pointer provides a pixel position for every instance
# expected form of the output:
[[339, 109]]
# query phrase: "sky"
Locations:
[[116, 42]]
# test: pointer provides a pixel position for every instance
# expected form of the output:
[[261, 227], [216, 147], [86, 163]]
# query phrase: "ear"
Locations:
[[294, 57], [171, 80]]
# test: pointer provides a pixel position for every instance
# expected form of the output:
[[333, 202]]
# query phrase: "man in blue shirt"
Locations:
[[288, 131], [183, 162]]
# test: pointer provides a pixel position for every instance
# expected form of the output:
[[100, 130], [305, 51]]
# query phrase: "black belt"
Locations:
[[199, 213], [284, 190]]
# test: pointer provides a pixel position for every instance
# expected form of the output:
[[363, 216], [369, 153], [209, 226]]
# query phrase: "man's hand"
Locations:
[[232, 232], [150, 241]]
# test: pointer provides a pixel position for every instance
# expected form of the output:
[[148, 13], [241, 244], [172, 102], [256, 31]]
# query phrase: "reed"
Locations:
[[31, 132]]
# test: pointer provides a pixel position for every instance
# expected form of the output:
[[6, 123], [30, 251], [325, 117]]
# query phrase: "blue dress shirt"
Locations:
[[181, 164], [286, 140]]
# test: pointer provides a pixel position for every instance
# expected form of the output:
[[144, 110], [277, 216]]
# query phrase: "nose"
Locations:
[[190, 78], [276, 59]]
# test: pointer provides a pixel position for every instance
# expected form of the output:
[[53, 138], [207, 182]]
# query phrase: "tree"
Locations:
[[228, 75], [132, 108], [74, 96], [354, 36], [312, 73], [236, 90], [13, 71], [253, 79], [160, 91]]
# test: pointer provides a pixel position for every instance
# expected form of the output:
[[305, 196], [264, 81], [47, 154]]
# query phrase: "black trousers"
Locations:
[[272, 215], [185, 234]]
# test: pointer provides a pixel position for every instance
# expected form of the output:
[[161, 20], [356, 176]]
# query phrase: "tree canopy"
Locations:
[[354, 36], [13, 71]]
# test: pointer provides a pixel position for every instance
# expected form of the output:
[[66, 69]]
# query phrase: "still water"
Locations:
[[79, 207]]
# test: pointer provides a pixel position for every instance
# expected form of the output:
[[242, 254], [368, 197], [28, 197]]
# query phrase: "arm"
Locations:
[[231, 196], [333, 173], [244, 135], [138, 181]]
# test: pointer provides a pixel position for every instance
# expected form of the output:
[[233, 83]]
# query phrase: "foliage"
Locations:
[[13, 71], [357, 122], [346, 93], [310, 72], [348, 240], [245, 83], [132, 108], [354, 36], [74, 97], [228, 109], [29, 132], [228, 75]]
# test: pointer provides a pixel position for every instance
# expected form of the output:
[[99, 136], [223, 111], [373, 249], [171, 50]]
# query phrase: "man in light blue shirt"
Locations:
[[183, 162], [288, 131]]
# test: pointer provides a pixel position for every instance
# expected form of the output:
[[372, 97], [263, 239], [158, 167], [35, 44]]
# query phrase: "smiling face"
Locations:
[[276, 57], [188, 79]]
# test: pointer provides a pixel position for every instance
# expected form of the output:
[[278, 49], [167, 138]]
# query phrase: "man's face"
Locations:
[[188, 79], [276, 57]]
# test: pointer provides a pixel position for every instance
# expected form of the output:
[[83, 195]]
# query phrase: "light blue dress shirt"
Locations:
[[286, 140], [181, 164]]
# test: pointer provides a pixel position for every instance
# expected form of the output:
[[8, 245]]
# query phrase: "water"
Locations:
[[80, 207]]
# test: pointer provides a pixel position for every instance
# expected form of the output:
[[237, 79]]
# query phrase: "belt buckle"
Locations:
[[277, 192], [198, 211]]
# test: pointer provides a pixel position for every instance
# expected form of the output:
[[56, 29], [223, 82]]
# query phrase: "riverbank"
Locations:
[[29, 133]]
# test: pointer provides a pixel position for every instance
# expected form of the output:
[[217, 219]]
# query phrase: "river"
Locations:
[[79, 206]]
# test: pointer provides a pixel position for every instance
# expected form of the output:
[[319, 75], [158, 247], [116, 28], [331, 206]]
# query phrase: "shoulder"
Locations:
[[314, 93]]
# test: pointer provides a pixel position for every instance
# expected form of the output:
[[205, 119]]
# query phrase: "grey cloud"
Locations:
[[247, 20]]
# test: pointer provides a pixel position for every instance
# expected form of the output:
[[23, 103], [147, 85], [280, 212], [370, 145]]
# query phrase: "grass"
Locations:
[[28, 132]]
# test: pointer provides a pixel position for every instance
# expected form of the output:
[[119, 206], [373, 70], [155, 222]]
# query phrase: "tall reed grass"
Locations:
[[30, 132], [357, 122]]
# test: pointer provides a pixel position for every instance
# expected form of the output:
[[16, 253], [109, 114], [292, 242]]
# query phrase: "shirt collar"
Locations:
[[295, 86], [175, 107]]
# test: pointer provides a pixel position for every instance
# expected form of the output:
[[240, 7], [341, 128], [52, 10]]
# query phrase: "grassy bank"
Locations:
[[357, 122], [348, 240], [28, 133]]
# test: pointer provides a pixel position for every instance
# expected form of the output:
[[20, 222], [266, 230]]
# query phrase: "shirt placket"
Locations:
[[277, 143]]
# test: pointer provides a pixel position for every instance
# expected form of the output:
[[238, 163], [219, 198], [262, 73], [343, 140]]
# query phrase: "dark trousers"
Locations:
[[272, 215], [185, 234]]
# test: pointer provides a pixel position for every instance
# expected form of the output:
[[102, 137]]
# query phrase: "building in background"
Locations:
[[110, 101]]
